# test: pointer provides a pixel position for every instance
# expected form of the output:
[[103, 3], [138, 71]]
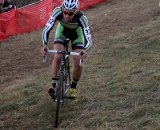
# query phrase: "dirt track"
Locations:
[[20, 55]]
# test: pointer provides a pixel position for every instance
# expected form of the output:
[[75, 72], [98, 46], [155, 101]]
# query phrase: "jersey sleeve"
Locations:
[[49, 25], [86, 31]]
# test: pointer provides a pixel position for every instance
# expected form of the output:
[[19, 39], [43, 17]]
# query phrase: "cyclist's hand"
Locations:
[[44, 50], [83, 54]]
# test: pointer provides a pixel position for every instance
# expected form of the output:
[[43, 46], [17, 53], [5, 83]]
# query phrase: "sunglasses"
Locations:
[[68, 13]]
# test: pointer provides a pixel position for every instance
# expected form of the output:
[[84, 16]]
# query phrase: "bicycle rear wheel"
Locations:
[[59, 99]]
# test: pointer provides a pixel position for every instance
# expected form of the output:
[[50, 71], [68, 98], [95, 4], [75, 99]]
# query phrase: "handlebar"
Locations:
[[63, 53]]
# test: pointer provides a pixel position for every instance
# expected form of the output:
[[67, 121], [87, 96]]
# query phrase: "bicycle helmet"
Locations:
[[70, 4]]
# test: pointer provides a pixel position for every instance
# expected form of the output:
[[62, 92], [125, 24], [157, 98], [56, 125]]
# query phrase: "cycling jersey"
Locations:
[[77, 30]]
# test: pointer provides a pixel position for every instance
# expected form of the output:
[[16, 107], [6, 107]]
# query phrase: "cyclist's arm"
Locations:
[[86, 31], [45, 34]]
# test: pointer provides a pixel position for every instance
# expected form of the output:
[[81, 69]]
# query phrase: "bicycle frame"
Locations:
[[62, 86], [64, 73]]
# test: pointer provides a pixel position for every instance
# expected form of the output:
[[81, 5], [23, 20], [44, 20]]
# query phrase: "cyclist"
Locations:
[[73, 25]]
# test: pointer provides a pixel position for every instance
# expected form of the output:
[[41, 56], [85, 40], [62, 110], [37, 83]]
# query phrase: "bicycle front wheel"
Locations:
[[67, 76], [59, 99]]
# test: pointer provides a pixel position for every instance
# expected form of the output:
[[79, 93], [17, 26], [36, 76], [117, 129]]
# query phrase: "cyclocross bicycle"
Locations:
[[64, 80]]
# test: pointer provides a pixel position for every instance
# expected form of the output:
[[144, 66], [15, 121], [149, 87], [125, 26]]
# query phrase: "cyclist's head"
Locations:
[[70, 4]]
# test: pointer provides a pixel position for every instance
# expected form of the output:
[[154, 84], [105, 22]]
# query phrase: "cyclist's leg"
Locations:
[[55, 68], [56, 60], [58, 45], [77, 71], [77, 46]]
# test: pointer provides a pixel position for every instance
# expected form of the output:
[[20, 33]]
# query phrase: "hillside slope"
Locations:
[[121, 82], [21, 3]]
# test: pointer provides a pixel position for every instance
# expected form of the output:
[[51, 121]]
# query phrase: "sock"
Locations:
[[54, 82], [74, 83]]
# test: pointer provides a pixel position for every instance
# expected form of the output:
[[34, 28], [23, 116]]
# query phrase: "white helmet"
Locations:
[[70, 4]]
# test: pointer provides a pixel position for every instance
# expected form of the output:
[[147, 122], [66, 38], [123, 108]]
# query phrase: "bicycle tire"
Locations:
[[67, 65], [68, 70], [59, 98], [67, 76]]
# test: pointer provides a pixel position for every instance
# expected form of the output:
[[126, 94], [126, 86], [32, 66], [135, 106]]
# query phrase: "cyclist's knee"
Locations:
[[57, 57], [77, 63], [77, 66]]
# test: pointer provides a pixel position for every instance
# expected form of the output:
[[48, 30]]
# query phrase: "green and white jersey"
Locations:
[[79, 20]]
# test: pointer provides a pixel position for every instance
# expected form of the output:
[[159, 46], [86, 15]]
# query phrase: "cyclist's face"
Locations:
[[68, 14]]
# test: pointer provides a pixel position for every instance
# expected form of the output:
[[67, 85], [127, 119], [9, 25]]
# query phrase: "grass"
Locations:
[[119, 90]]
